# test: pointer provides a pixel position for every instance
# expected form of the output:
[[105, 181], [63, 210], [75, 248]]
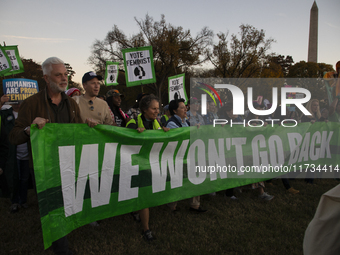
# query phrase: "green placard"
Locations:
[[13, 54], [111, 73], [5, 62], [176, 87], [139, 67]]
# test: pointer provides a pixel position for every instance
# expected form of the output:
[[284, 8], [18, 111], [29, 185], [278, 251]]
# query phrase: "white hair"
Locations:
[[47, 64]]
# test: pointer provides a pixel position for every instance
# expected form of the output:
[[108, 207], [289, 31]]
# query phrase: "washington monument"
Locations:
[[313, 34]]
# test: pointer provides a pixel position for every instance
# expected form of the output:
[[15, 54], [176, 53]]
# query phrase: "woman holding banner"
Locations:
[[178, 112], [149, 107]]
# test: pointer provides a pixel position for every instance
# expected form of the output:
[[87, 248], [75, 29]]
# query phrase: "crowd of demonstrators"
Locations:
[[54, 105], [146, 120], [178, 111], [114, 100]]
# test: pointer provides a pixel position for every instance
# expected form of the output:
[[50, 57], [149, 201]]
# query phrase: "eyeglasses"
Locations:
[[91, 103]]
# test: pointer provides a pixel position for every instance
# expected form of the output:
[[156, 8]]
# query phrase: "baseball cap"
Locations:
[[114, 92], [90, 75]]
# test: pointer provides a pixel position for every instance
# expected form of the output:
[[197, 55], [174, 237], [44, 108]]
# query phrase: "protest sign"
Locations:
[[111, 73], [116, 170], [18, 89], [177, 87], [13, 54], [139, 67], [5, 62]]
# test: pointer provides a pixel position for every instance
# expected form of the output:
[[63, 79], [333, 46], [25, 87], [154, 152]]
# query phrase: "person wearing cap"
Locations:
[[166, 115], [93, 110], [50, 105], [114, 100], [72, 92]]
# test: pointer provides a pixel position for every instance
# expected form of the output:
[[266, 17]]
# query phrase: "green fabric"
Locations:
[[138, 170]]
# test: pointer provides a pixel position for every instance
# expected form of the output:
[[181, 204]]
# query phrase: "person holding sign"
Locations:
[[50, 105], [147, 120]]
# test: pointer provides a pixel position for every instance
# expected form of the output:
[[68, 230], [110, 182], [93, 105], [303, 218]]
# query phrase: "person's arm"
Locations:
[[133, 125], [3, 100], [332, 107], [21, 131]]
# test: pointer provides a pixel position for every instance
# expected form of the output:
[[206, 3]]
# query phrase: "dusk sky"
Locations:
[[67, 29]]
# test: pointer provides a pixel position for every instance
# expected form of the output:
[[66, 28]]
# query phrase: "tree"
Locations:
[[174, 49], [71, 73], [276, 66], [243, 57], [284, 62], [309, 75], [304, 69]]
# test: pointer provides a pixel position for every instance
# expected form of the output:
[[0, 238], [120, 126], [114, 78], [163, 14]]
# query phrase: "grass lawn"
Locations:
[[246, 226]]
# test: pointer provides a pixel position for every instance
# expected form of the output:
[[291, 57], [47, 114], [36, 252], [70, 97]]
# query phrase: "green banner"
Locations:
[[13, 54], [86, 174]]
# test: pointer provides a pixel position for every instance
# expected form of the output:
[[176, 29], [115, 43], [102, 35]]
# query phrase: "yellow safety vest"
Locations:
[[155, 124]]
